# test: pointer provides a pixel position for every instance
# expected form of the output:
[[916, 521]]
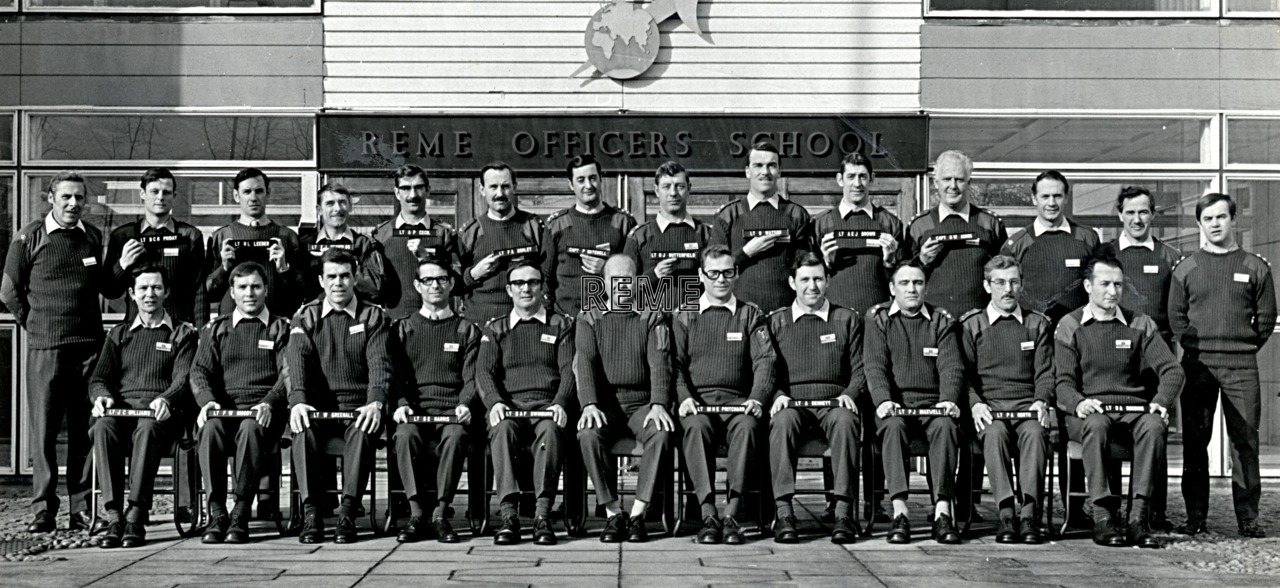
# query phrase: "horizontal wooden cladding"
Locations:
[[578, 25], [706, 10], [667, 86], [185, 60], [410, 56], [699, 71], [605, 102], [193, 91], [307, 31], [763, 43]]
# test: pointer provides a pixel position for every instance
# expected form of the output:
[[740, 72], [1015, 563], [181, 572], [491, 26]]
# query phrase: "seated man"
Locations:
[[1008, 355], [623, 367], [1100, 352], [435, 357], [144, 365], [338, 361], [724, 356], [526, 363], [911, 355], [819, 358], [240, 365]]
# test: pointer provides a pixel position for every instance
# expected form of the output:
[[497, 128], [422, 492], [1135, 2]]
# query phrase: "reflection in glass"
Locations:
[[7, 417], [1071, 140], [1253, 141], [816, 194], [110, 4], [6, 132], [374, 200], [1075, 5], [59, 137], [1253, 5]]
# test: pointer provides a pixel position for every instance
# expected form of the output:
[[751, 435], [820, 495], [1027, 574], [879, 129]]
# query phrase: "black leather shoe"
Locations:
[[1250, 529], [1006, 533], [615, 529], [731, 531], [1192, 527], [414, 531], [1029, 531], [111, 535], [43, 523], [1160, 523], [1108, 534], [844, 532], [881, 515], [710, 533], [944, 530], [636, 531], [543, 534], [238, 526], [829, 513], [216, 532], [345, 530], [82, 521], [312, 529], [1140, 535], [135, 534], [509, 532], [900, 533], [786, 531], [444, 531]]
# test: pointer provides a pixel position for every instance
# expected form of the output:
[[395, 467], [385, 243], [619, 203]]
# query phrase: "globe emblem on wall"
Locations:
[[622, 39]]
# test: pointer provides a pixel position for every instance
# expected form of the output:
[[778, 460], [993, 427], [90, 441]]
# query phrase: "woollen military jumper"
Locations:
[[518, 237], [242, 365], [762, 278], [337, 361], [369, 274], [1052, 267], [51, 284], [1007, 360], [817, 358], [528, 365], [718, 350], [623, 359], [649, 244], [1222, 307], [1105, 360], [177, 247], [571, 234], [140, 364], [955, 275], [859, 274], [435, 361], [1148, 274], [403, 246], [284, 290], [912, 360]]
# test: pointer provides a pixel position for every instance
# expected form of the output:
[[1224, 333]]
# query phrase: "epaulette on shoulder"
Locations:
[[727, 205], [1037, 313], [469, 224], [965, 317], [447, 226], [557, 214], [778, 312], [632, 232], [943, 312], [1261, 258], [879, 308]]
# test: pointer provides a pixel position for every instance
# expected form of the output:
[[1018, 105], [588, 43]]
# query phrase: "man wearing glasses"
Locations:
[[526, 363], [411, 237], [724, 356]]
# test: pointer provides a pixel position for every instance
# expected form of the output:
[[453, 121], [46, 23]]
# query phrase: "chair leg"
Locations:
[[1066, 497]]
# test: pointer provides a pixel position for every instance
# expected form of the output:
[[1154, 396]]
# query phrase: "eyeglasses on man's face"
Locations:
[[531, 284], [436, 280], [1005, 284], [728, 274]]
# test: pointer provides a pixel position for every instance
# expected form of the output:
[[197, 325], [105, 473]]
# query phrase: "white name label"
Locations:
[[451, 347], [690, 246], [88, 261], [548, 338], [266, 344], [930, 351], [1124, 344], [165, 347], [355, 329], [1073, 263], [1242, 278], [733, 336], [1027, 345], [170, 251], [1150, 269], [828, 338]]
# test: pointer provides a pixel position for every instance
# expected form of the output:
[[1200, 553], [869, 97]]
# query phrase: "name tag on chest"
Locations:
[[547, 338], [266, 344], [690, 246], [355, 329], [164, 346], [1242, 278], [1072, 262], [451, 347], [827, 338], [1027, 345], [733, 336], [89, 261], [1124, 343], [1150, 269], [930, 351], [171, 251]]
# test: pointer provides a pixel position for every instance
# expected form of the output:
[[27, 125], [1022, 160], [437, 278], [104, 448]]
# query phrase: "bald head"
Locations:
[[619, 275]]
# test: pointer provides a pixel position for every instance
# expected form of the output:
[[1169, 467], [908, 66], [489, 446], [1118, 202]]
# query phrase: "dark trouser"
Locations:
[[1241, 407], [57, 386], [151, 440], [1094, 432], [325, 438], [943, 435], [999, 440], [543, 439], [703, 435], [430, 446], [595, 444], [252, 444], [971, 459], [788, 429]]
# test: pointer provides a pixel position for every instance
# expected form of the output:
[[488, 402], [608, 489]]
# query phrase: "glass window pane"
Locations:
[[6, 215], [815, 194], [374, 200], [6, 134], [1075, 5], [1071, 140], [110, 4], [82, 137], [544, 196], [1253, 140], [1253, 5], [8, 369]]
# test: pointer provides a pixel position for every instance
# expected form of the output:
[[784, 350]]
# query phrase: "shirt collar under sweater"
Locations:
[[945, 211], [823, 312], [1087, 316], [924, 310], [400, 221], [540, 316], [994, 314], [664, 222], [1126, 242], [436, 316], [845, 209], [168, 223], [164, 322], [326, 308], [51, 225], [1039, 227], [237, 317], [704, 303], [774, 201]]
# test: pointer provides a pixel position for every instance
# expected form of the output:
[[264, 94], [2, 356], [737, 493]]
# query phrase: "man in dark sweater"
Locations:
[[52, 276], [623, 369], [240, 365], [1052, 250], [254, 237], [333, 207], [819, 357], [489, 245], [338, 361], [1008, 354], [144, 365], [526, 363], [1222, 307], [158, 238], [435, 358], [1100, 352], [911, 356], [764, 232], [666, 250], [411, 237], [724, 356], [578, 239]]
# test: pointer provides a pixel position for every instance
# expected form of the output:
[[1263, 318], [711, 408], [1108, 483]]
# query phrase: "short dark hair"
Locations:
[[1129, 192], [149, 268], [807, 259], [909, 263], [246, 269], [669, 169], [1000, 262], [583, 160], [156, 174], [521, 265], [334, 187], [497, 166], [714, 252], [409, 171], [766, 147], [250, 173], [340, 256], [432, 261], [1213, 198], [1107, 260], [66, 176], [1054, 175], [857, 159]]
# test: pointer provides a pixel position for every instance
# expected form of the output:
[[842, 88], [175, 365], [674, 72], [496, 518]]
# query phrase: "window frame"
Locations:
[[15, 224], [1229, 166], [27, 8], [1216, 10], [13, 136]]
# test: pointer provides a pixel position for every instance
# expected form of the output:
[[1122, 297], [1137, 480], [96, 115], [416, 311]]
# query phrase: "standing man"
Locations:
[[666, 250], [1222, 307], [912, 360], [819, 357], [144, 365], [1052, 250], [623, 368], [240, 365], [764, 232], [435, 354], [254, 237], [410, 238], [859, 240], [52, 275], [578, 240], [338, 361], [1008, 354], [526, 363], [491, 244], [724, 356], [1100, 353], [333, 203], [158, 238]]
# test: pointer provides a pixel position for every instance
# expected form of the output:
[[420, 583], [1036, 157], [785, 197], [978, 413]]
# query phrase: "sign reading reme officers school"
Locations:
[[623, 143]]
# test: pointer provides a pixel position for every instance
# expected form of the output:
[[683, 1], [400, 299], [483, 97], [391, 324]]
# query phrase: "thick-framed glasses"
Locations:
[[1004, 284], [415, 189], [436, 280], [728, 274], [531, 284]]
